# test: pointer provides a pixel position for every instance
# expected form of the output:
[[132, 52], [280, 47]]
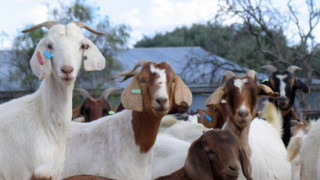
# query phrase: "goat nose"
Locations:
[[243, 113], [282, 99], [67, 69], [161, 101], [233, 167]]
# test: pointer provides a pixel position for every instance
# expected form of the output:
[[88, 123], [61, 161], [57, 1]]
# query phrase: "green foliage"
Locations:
[[115, 38]]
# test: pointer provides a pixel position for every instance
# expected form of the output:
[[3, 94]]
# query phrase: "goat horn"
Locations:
[[83, 25], [126, 75], [140, 63], [293, 68], [47, 24], [227, 75], [252, 73], [84, 93], [269, 68], [105, 94]]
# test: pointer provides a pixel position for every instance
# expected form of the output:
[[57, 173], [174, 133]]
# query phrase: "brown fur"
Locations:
[[86, 177], [240, 125], [146, 117], [215, 155]]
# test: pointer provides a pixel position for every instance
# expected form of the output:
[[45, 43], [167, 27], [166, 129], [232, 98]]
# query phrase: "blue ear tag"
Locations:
[[208, 117], [265, 80], [47, 54], [111, 112]]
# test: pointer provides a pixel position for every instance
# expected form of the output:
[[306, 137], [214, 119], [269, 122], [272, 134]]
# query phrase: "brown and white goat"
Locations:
[[120, 146], [92, 109], [215, 155], [259, 139], [286, 84]]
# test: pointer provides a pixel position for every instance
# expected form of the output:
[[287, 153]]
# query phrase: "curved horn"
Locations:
[[84, 93], [126, 75], [293, 68], [105, 94], [83, 25], [269, 68], [140, 63], [47, 24], [227, 75], [252, 73]]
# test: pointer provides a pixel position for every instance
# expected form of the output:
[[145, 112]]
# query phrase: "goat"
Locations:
[[299, 131], [309, 153], [120, 146], [33, 128], [258, 138], [215, 155], [92, 109], [286, 84]]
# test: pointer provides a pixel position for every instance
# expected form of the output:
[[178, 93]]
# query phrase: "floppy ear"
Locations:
[[302, 86], [131, 97], [197, 163], [182, 93], [264, 90], [93, 59], [245, 163], [76, 111], [209, 117], [215, 97], [40, 63]]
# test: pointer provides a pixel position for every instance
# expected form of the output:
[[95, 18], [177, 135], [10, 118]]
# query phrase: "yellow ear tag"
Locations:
[[136, 91]]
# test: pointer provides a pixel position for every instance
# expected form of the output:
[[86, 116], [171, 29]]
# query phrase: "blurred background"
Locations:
[[201, 39]]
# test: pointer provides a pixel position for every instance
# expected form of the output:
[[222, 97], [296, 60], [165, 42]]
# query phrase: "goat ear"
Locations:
[[215, 97], [197, 163], [245, 163], [93, 59], [76, 111], [132, 99], [209, 117], [40, 64], [302, 86], [182, 93], [264, 90]]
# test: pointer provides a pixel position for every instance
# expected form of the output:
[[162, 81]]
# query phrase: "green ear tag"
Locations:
[[265, 80], [111, 112], [136, 91]]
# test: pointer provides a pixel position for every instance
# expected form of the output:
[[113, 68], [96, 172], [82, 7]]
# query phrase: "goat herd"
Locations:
[[139, 140]]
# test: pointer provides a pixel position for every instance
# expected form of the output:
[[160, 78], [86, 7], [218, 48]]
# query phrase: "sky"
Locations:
[[145, 17]]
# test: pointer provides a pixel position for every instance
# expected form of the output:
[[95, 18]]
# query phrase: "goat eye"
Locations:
[[85, 46], [173, 80], [142, 80], [212, 154], [50, 46]]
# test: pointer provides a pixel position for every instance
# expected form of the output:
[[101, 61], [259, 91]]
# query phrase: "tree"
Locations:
[[258, 13], [115, 38]]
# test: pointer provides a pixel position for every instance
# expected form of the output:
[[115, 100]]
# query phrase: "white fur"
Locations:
[[282, 85], [161, 81], [310, 153], [269, 155], [239, 83], [169, 155], [106, 147], [33, 128]]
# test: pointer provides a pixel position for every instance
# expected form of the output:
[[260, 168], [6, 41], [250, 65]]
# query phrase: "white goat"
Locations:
[[310, 153], [120, 146], [33, 128]]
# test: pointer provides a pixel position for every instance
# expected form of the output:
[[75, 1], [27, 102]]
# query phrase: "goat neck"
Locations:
[[145, 127]]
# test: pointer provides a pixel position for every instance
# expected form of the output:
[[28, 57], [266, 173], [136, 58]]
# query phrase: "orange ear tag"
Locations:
[[39, 58]]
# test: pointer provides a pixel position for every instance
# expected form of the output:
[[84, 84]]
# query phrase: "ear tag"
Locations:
[[111, 112], [208, 117], [47, 54], [136, 91], [39, 58], [265, 80]]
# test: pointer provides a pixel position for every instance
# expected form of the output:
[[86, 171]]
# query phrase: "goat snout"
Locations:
[[243, 113], [234, 167], [67, 69], [282, 99], [162, 101]]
